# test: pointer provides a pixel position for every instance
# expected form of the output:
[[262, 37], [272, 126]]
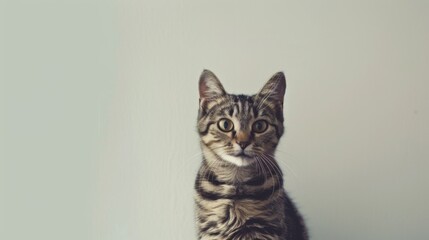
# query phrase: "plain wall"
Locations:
[[99, 102]]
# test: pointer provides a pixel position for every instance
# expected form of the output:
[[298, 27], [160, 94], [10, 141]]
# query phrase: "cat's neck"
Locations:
[[229, 173]]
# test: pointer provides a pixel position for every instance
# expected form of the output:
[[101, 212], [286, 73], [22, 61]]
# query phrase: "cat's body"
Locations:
[[239, 187]]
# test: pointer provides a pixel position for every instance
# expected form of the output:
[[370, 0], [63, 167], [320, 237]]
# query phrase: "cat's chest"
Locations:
[[235, 212], [239, 207], [244, 209]]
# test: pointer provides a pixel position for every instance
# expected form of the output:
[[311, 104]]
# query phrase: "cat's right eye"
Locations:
[[225, 125]]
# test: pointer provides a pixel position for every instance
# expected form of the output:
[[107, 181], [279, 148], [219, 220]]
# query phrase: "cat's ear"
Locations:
[[210, 86], [275, 88]]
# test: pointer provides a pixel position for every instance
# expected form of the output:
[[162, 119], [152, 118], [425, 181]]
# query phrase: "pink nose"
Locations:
[[242, 139]]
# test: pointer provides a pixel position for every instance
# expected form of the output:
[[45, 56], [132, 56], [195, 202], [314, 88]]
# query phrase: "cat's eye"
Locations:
[[225, 125], [260, 126]]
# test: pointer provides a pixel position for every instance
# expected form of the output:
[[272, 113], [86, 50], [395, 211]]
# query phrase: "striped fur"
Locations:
[[239, 186]]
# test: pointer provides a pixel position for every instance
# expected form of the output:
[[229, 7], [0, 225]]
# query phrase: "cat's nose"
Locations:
[[242, 144], [242, 139]]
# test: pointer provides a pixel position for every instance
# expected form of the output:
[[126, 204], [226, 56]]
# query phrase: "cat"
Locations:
[[239, 186]]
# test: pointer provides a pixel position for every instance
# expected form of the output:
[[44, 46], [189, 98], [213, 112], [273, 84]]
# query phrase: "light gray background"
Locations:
[[99, 102]]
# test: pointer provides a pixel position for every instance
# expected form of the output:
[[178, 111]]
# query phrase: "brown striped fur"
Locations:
[[239, 187]]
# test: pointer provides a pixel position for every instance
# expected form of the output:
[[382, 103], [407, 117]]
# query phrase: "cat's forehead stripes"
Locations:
[[229, 105], [243, 103], [243, 110], [243, 107]]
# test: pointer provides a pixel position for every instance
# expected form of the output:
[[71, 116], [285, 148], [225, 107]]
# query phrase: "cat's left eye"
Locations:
[[260, 126]]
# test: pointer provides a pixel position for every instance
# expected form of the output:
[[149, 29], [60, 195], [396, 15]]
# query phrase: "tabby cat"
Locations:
[[239, 186]]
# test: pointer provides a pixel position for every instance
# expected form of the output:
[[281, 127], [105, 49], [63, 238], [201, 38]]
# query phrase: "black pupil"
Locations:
[[259, 126], [225, 125]]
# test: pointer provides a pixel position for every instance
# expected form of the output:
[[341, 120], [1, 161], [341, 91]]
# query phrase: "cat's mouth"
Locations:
[[243, 155]]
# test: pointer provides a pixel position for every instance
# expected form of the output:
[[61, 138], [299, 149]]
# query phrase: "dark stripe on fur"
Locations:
[[256, 181], [239, 195], [212, 178], [209, 225], [212, 142], [206, 130]]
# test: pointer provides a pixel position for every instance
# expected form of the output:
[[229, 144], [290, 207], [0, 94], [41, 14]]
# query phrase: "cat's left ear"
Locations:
[[274, 89]]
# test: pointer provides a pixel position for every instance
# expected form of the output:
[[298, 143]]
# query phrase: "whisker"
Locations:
[[272, 176], [258, 161], [287, 166], [275, 167]]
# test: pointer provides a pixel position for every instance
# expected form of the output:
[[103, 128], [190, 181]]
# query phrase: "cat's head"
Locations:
[[239, 129]]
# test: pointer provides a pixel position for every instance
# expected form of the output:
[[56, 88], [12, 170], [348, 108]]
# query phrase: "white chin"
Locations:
[[238, 161]]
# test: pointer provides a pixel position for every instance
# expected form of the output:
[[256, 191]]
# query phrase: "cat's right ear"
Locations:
[[210, 86]]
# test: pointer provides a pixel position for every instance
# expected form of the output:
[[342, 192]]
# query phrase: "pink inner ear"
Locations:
[[203, 89], [275, 87], [210, 86]]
